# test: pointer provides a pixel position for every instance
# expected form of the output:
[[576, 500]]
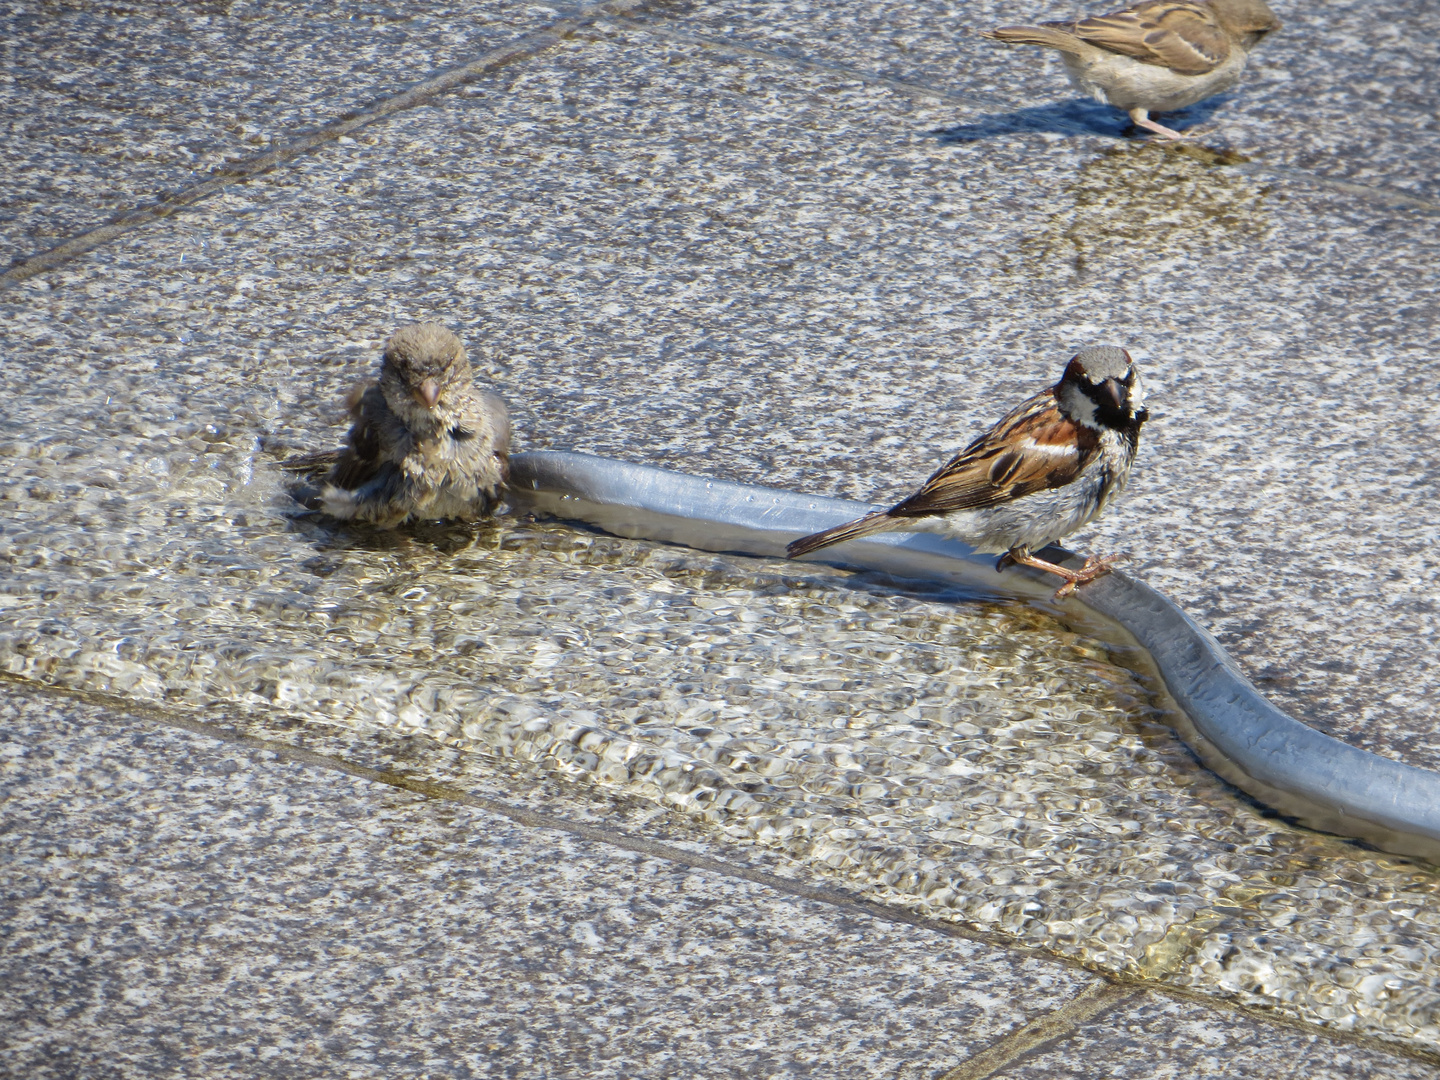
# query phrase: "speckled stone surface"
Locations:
[[1343, 90], [107, 105], [174, 906], [1151, 1038], [744, 267], [736, 268]]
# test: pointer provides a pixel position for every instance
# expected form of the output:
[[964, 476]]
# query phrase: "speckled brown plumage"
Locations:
[[425, 441], [1046, 468], [1156, 55]]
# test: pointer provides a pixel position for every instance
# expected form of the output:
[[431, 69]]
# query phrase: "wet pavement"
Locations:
[[749, 241], [364, 929]]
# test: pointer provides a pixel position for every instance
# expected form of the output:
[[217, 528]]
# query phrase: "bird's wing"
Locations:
[[361, 459], [1032, 448], [1184, 37]]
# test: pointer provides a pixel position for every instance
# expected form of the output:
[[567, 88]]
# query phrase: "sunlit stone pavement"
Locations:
[[613, 810]]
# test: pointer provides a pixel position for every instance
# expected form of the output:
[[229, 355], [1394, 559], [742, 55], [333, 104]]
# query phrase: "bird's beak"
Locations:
[[1116, 391], [428, 392]]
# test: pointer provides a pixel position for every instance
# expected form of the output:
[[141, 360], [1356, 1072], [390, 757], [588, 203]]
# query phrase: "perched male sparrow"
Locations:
[[1155, 56], [426, 442], [1048, 467]]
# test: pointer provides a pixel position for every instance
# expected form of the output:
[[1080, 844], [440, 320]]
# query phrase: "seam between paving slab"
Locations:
[[1111, 989], [526, 47], [1090, 1004]]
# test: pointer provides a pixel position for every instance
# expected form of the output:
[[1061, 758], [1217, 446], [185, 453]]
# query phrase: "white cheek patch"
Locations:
[[1082, 409]]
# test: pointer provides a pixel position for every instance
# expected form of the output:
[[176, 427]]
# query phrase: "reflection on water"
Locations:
[[980, 763], [1151, 202]]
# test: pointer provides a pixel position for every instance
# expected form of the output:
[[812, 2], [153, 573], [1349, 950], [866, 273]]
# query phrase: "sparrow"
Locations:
[[425, 441], [1157, 55], [1049, 466]]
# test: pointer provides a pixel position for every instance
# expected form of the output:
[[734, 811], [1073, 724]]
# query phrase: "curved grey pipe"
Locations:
[[1318, 780]]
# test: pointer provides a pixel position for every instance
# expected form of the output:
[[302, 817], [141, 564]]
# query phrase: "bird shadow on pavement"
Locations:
[[1081, 116]]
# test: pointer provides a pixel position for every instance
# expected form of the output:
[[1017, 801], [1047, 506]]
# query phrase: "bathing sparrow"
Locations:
[[425, 441], [1155, 56], [1048, 467]]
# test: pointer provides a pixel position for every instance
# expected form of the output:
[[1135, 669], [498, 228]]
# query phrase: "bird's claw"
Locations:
[[1094, 566]]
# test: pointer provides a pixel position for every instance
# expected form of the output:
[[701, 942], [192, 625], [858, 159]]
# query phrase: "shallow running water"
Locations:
[[976, 762]]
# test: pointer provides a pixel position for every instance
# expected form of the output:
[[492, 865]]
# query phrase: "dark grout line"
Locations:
[[1385, 196], [595, 833], [1118, 986], [1090, 1004], [523, 48]]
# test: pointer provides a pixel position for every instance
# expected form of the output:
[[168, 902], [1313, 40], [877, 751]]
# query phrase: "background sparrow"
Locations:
[[425, 442], [1048, 467], [1156, 55]]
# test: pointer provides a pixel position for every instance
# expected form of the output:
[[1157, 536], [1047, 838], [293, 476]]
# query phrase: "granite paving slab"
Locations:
[[732, 266], [1152, 1038], [108, 105], [990, 765], [176, 906], [1341, 91], [718, 265]]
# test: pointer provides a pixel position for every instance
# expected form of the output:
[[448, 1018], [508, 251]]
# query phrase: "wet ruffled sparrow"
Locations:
[[425, 441]]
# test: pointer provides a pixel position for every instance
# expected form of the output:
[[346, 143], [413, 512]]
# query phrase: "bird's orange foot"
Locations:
[[1094, 566]]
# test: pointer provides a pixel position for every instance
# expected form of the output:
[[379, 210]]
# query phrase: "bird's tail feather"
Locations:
[[320, 461], [879, 521], [1036, 35]]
